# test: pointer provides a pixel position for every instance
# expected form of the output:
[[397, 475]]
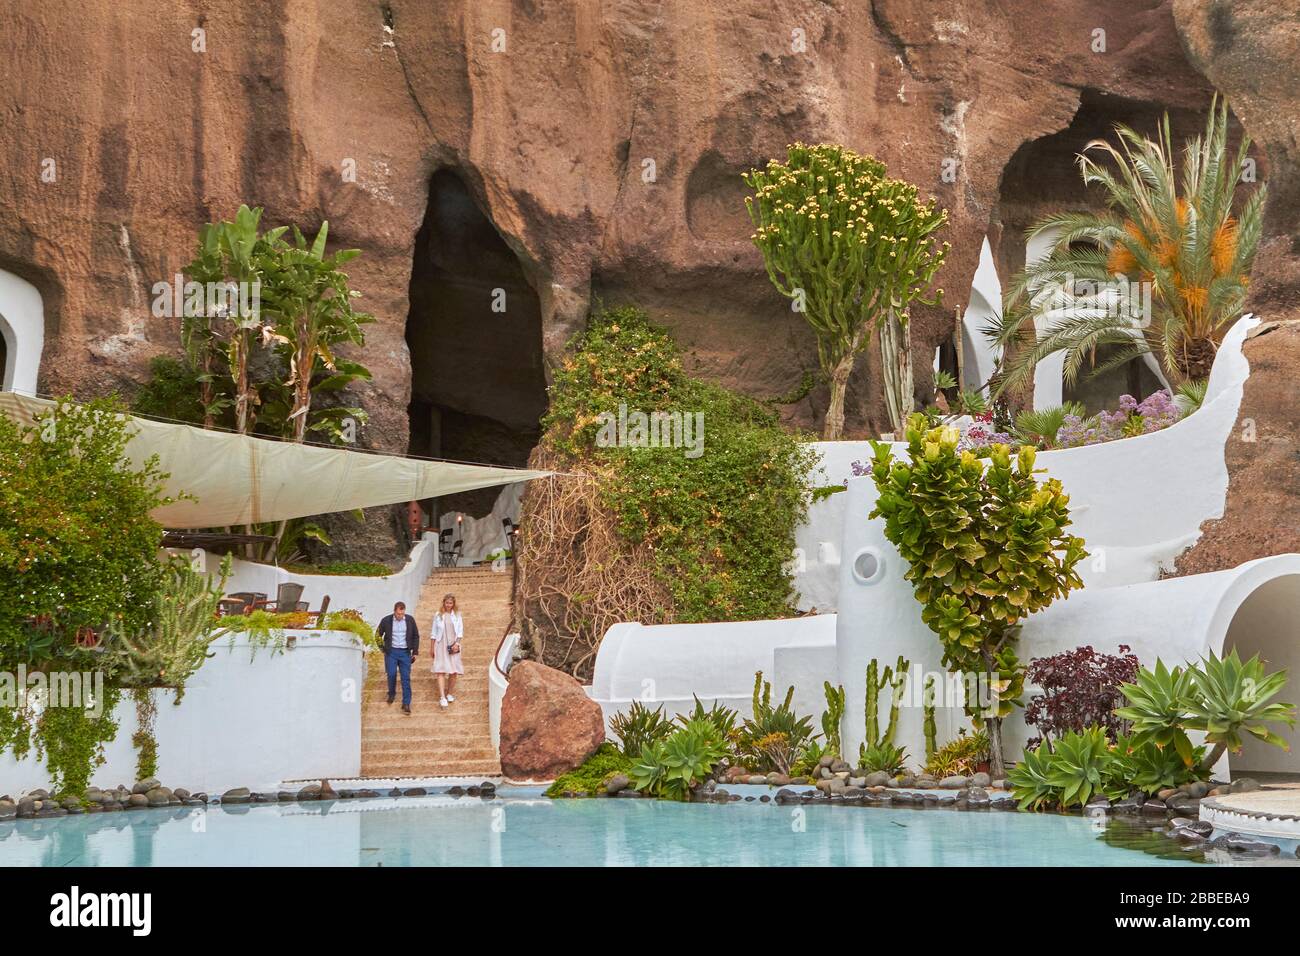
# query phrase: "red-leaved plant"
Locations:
[[1080, 689]]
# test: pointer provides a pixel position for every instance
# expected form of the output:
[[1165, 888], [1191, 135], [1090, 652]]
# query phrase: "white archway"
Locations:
[[22, 323], [1265, 624]]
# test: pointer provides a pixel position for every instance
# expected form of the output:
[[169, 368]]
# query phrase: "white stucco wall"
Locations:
[[245, 720], [373, 597], [22, 324], [667, 664], [482, 536]]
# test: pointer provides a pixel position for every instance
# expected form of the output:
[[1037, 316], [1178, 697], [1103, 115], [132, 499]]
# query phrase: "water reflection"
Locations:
[[521, 829]]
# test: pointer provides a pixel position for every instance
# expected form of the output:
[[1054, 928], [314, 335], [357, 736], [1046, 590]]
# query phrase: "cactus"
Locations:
[[831, 718], [931, 731], [873, 703], [877, 681], [762, 693], [176, 644]]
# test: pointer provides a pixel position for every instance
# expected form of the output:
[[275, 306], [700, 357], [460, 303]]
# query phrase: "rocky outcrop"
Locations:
[[548, 724], [603, 144], [1262, 512], [1236, 45]]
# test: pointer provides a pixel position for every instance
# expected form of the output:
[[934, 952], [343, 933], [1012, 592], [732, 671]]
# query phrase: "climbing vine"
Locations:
[[698, 527], [144, 740]]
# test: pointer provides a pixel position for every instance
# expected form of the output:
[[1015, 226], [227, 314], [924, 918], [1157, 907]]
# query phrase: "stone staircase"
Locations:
[[433, 742]]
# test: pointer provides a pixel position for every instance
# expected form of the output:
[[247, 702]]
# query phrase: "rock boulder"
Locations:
[[548, 724]]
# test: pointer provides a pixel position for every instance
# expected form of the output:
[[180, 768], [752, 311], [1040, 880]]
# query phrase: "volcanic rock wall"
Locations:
[[603, 141]]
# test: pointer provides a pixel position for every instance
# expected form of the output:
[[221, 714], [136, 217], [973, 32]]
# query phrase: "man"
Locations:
[[401, 639]]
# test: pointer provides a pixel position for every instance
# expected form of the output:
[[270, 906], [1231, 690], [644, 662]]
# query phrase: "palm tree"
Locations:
[[1161, 272]]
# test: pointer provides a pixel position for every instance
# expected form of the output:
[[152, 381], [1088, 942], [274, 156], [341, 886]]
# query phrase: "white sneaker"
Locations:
[[451, 699], [442, 701]]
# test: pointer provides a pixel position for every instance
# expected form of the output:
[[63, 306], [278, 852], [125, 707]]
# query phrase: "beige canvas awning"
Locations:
[[239, 480]]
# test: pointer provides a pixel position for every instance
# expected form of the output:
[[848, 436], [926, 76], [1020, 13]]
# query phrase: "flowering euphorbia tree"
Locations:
[[852, 248]]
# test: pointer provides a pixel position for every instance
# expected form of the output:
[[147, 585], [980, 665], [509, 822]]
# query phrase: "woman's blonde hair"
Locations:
[[445, 598]]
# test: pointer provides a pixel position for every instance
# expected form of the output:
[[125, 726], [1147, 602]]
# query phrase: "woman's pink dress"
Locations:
[[448, 629]]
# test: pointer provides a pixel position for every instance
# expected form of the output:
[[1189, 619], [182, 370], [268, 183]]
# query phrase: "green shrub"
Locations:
[[78, 548], [723, 719], [721, 525], [882, 756], [594, 773], [672, 768], [986, 546], [774, 738], [639, 727], [359, 569], [959, 757]]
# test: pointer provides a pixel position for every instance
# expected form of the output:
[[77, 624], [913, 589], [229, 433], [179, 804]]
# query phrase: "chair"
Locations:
[[444, 546], [286, 599], [456, 549], [316, 618]]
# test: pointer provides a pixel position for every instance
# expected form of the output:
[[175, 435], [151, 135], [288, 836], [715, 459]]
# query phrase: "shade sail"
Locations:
[[239, 480]]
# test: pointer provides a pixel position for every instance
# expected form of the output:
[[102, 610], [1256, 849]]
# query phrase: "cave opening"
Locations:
[[1041, 178], [478, 386]]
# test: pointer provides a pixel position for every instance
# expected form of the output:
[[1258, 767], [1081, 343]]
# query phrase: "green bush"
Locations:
[[882, 756], [672, 768], [592, 776], [986, 546], [774, 738], [78, 548], [359, 569], [721, 525], [639, 727]]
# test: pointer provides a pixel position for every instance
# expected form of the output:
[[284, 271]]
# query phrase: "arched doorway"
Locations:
[[478, 389], [1265, 624], [22, 333]]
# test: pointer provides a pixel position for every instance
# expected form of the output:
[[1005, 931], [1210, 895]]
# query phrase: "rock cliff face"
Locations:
[[1238, 46], [501, 164]]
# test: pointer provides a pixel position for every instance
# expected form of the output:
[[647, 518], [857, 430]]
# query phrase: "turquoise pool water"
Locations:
[[522, 828]]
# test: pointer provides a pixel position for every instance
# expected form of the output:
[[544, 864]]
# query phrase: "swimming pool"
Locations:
[[522, 828]]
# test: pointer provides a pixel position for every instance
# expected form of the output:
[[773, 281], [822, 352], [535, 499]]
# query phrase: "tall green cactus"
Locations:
[[931, 731], [831, 718], [183, 625], [877, 681]]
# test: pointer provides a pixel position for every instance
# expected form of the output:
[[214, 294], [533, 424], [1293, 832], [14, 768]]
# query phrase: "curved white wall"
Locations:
[[245, 721], [373, 597], [667, 664], [22, 323]]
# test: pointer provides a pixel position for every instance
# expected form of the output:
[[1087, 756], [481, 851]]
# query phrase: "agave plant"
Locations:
[[1162, 271], [881, 756], [1145, 767], [639, 727], [1080, 767], [673, 767], [1157, 704], [1232, 698], [1031, 779]]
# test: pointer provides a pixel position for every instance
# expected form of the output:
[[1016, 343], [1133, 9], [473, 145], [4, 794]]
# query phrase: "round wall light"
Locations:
[[868, 566]]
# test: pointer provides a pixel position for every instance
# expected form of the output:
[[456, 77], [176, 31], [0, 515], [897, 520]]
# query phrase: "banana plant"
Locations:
[[1233, 698]]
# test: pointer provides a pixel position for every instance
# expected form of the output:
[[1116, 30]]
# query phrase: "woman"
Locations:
[[448, 629]]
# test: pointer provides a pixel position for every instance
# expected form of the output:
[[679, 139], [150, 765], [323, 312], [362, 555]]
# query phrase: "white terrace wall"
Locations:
[[373, 597], [22, 325], [250, 720]]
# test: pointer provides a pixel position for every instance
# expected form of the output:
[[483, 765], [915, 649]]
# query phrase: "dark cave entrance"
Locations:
[[478, 389], [1042, 177]]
